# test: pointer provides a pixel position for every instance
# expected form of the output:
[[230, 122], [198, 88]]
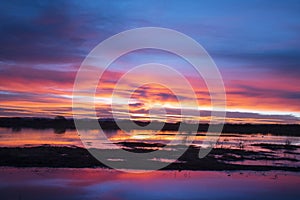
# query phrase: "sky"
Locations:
[[255, 45]]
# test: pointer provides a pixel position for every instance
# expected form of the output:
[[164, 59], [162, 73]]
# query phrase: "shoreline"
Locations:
[[63, 124]]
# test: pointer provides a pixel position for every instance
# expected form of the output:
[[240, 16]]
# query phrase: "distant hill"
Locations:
[[60, 123]]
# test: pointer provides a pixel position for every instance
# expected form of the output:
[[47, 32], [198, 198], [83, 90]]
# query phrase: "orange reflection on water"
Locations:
[[33, 137]]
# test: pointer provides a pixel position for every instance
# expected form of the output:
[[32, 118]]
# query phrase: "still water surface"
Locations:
[[60, 183], [34, 137], [247, 142], [44, 183]]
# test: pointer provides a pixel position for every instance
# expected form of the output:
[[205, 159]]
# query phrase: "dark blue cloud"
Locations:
[[262, 33], [52, 32], [260, 92]]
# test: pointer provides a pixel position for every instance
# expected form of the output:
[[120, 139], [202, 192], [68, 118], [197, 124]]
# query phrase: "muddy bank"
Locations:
[[76, 157]]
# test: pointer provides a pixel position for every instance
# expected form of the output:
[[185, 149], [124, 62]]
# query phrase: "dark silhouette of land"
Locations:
[[76, 157], [61, 124]]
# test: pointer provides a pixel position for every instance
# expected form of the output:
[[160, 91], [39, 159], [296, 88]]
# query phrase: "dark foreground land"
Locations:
[[76, 157], [60, 124]]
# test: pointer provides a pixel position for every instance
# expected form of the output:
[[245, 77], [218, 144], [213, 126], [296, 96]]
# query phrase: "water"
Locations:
[[246, 142], [34, 137], [43, 183], [86, 183]]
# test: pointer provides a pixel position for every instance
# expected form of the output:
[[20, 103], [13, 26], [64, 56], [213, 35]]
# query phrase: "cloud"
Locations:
[[255, 45], [53, 32]]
